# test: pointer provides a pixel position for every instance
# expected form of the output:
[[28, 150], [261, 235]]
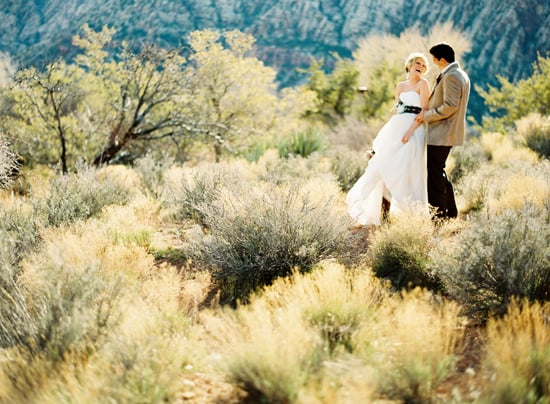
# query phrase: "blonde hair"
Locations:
[[413, 57]]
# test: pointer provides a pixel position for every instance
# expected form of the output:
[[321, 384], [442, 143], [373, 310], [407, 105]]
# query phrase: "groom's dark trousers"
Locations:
[[440, 189]]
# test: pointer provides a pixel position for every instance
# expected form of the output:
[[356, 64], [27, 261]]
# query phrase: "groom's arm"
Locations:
[[452, 93]]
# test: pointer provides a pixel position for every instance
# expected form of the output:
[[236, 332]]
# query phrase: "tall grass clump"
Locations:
[[336, 335], [265, 353], [303, 143], [16, 320], [534, 132], [58, 317], [497, 258], [518, 355], [257, 233], [151, 172], [473, 191], [192, 196], [417, 341], [19, 234], [277, 171], [72, 308], [520, 183], [277, 348], [399, 252], [79, 196]]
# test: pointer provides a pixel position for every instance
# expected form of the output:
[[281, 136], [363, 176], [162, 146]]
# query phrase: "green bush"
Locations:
[[259, 234], [195, 194], [347, 166], [303, 143], [19, 234], [537, 138], [496, 259], [79, 196], [400, 253], [337, 326]]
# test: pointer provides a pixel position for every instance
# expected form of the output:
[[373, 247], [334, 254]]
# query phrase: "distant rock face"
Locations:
[[506, 35]]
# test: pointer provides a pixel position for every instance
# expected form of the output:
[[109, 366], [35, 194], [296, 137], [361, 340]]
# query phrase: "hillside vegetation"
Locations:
[[174, 229], [506, 36]]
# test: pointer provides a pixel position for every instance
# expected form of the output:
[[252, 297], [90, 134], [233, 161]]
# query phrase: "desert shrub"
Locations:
[[61, 314], [199, 190], [400, 252], [497, 258], [78, 197], [534, 132], [472, 191], [496, 189], [19, 234], [417, 351], [278, 171], [303, 143], [9, 165], [273, 346], [151, 172], [72, 311], [347, 166], [16, 321], [467, 159], [259, 234], [337, 326], [518, 355], [353, 134], [143, 371]]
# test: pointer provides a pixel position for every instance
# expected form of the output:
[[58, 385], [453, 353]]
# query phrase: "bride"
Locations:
[[397, 170]]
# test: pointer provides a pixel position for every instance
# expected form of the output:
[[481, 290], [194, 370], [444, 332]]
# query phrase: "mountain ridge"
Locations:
[[506, 35]]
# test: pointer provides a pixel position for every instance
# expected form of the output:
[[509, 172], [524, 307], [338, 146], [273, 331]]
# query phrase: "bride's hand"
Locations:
[[408, 134]]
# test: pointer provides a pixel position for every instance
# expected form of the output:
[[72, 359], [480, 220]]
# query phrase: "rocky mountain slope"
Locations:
[[506, 35]]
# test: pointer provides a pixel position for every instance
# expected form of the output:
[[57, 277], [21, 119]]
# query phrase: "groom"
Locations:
[[445, 117]]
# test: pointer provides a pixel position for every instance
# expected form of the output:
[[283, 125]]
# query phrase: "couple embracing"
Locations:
[[402, 169]]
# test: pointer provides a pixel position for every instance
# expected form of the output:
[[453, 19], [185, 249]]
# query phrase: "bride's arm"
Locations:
[[424, 88]]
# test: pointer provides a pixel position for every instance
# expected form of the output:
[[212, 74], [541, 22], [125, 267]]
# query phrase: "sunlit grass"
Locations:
[[301, 333], [518, 355], [337, 334]]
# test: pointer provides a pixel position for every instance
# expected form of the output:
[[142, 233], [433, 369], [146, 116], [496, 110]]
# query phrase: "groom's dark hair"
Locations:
[[443, 50]]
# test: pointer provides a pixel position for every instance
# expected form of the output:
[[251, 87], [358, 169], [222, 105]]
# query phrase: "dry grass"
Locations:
[[518, 355], [335, 335], [315, 336]]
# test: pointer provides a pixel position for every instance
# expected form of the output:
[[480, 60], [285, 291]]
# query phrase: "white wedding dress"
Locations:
[[397, 171]]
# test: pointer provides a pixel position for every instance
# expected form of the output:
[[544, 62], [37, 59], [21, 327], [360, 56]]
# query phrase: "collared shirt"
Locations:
[[448, 67]]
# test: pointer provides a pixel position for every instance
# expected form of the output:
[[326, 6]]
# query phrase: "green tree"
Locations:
[[137, 96], [43, 112], [101, 104], [335, 91], [234, 94], [379, 96], [512, 101], [113, 99]]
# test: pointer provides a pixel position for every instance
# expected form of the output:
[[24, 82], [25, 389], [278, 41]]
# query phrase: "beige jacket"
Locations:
[[446, 116]]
